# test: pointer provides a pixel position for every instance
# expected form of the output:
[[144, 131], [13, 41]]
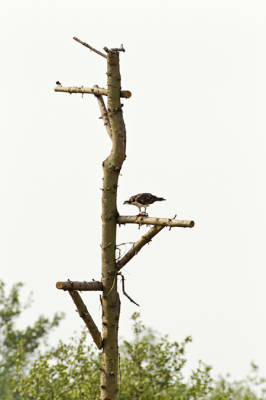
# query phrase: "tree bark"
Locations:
[[85, 315], [104, 114], [99, 91], [171, 222], [81, 286], [111, 166], [90, 47]]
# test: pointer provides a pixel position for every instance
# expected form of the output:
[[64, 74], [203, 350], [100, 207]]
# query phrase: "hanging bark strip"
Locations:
[[85, 315], [81, 286], [111, 167]]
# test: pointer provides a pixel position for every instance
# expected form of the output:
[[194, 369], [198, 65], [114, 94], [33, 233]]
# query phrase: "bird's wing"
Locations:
[[144, 198]]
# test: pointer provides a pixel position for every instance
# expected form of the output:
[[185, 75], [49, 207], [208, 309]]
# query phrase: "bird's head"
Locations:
[[127, 202]]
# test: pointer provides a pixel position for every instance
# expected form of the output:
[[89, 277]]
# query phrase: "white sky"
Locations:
[[196, 136]]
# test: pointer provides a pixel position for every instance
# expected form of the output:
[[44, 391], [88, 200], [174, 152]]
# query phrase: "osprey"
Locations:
[[143, 200]]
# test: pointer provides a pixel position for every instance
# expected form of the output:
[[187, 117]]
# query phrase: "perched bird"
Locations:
[[58, 83], [143, 200]]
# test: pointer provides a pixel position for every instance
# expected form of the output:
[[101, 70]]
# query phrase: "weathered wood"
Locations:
[[104, 113], [81, 286], [99, 91], [146, 238], [111, 167], [123, 219], [91, 48], [114, 123], [85, 315]]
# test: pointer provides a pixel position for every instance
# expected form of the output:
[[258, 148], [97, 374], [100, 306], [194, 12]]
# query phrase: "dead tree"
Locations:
[[113, 121]]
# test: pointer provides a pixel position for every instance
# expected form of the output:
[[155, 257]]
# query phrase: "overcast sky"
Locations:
[[196, 136]]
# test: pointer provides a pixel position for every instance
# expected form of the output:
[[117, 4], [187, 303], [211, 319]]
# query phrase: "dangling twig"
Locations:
[[121, 244], [146, 238], [119, 250], [119, 256], [123, 289]]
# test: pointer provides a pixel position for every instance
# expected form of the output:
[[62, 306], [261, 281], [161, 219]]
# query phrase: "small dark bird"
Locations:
[[58, 83], [143, 200]]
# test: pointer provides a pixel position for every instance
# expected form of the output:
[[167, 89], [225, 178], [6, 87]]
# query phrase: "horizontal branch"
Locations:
[[146, 238], [154, 221], [85, 315], [91, 48], [82, 286], [96, 91]]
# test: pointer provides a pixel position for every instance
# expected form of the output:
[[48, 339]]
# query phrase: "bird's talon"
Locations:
[[143, 214]]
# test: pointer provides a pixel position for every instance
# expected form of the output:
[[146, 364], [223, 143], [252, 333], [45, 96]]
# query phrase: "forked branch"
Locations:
[[85, 315], [146, 238], [91, 48]]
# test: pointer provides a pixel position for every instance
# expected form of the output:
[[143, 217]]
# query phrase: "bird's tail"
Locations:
[[160, 199]]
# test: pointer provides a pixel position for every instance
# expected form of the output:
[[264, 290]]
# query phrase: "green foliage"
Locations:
[[250, 388], [68, 372], [12, 339], [150, 367]]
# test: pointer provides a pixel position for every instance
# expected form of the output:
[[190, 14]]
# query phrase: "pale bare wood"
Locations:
[[99, 91], [85, 315], [123, 219], [103, 112], [91, 48], [146, 238], [82, 286]]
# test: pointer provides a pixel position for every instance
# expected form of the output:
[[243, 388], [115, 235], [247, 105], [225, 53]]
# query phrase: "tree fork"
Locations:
[[111, 167]]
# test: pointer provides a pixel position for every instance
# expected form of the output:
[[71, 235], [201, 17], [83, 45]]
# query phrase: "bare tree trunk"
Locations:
[[114, 123], [111, 166]]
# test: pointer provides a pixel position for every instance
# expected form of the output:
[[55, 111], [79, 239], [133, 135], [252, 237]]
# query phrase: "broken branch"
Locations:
[[91, 48], [82, 286], [85, 315], [123, 289], [154, 221], [98, 91], [146, 238], [103, 112]]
